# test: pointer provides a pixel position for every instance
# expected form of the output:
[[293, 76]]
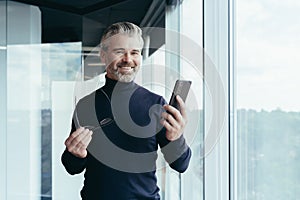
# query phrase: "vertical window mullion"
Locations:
[[3, 99], [173, 64], [216, 46], [232, 104]]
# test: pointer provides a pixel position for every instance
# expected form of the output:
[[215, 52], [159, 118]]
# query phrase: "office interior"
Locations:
[[243, 106]]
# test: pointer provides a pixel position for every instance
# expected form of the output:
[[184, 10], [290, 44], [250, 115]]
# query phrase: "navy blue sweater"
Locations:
[[123, 167]]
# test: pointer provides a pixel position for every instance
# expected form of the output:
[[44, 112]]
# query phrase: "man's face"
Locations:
[[122, 57]]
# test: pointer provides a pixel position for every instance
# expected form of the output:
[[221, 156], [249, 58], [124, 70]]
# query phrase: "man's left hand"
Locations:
[[174, 120]]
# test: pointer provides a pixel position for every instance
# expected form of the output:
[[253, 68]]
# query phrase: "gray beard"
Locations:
[[126, 77]]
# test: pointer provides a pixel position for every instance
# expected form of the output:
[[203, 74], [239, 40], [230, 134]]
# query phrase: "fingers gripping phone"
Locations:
[[181, 88]]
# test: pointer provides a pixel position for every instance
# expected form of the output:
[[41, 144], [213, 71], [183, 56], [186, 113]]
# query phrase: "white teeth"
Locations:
[[125, 67]]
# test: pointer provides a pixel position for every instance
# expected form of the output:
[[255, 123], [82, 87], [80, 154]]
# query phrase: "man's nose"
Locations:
[[126, 57]]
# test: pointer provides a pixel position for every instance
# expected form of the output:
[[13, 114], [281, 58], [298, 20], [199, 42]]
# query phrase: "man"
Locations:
[[127, 127]]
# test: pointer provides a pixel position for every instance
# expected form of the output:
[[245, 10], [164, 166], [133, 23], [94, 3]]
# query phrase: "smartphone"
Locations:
[[181, 88]]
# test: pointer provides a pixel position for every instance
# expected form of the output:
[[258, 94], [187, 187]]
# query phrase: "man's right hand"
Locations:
[[78, 141]]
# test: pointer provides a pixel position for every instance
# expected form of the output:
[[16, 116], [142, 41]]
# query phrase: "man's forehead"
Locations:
[[124, 41]]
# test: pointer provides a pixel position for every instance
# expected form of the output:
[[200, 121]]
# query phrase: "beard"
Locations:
[[123, 77], [126, 77]]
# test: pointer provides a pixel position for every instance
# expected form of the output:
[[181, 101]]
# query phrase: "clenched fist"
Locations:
[[78, 141]]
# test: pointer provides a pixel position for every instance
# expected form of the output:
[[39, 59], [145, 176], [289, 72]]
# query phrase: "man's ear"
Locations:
[[103, 56]]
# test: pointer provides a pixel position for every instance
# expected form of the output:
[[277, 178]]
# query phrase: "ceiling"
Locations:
[[84, 20]]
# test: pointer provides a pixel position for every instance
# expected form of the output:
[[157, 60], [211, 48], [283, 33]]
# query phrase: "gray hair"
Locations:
[[121, 28]]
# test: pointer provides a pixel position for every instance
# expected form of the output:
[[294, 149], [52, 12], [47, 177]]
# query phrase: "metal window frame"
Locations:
[[3, 103], [217, 48]]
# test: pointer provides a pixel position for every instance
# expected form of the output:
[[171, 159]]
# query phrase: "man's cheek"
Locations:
[[113, 61]]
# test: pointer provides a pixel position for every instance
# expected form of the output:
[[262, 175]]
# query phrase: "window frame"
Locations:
[[3, 102], [217, 47]]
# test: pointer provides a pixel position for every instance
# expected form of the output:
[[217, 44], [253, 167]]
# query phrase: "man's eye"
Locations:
[[135, 53]]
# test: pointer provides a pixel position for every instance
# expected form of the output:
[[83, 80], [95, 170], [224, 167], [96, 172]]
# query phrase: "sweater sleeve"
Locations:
[[177, 153], [73, 164]]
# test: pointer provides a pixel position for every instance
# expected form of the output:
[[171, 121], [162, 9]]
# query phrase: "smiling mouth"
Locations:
[[125, 69], [125, 66]]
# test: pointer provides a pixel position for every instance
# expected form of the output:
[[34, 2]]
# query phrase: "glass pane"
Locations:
[[268, 106], [153, 77], [41, 110], [192, 179], [40, 98]]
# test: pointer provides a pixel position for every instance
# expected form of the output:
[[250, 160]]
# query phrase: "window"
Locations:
[[267, 155], [191, 44], [216, 98], [170, 62], [3, 101]]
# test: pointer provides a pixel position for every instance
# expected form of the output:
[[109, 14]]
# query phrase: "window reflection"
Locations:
[[34, 101]]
